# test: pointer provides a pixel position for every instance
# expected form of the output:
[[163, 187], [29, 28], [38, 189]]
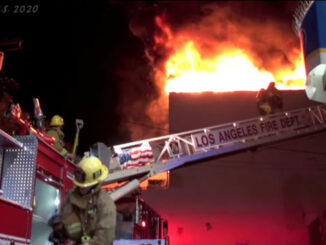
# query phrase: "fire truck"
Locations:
[[35, 177], [34, 180]]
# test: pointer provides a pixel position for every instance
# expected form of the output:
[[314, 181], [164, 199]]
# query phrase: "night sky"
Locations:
[[81, 59], [70, 58]]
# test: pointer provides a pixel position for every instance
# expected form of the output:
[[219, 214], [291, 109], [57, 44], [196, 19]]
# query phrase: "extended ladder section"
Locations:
[[142, 159]]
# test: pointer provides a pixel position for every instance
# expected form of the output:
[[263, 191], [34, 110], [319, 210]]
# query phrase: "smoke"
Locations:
[[262, 29], [139, 93]]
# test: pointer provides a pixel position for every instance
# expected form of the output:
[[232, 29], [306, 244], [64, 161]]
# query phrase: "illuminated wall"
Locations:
[[265, 196]]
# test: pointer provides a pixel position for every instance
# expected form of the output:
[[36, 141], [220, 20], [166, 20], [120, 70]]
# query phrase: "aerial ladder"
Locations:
[[143, 159], [30, 161]]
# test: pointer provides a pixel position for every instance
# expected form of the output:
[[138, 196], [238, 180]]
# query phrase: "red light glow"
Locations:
[[143, 223]]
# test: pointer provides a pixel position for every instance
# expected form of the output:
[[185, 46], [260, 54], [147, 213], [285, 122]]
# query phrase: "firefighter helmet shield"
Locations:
[[89, 172], [56, 120]]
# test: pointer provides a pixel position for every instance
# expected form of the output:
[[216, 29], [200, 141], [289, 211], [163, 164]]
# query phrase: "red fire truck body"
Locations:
[[35, 178], [31, 172]]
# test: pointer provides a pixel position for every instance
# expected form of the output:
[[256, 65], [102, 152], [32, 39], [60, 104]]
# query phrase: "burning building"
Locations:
[[217, 47], [207, 66]]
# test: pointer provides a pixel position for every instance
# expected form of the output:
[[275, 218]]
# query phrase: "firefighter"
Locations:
[[88, 213], [55, 130], [274, 96], [269, 100]]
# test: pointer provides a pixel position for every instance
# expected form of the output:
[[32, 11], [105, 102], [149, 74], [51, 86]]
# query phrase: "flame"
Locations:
[[187, 70], [233, 71], [217, 51]]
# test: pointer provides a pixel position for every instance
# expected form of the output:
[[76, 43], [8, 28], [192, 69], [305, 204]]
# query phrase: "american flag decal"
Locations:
[[136, 156]]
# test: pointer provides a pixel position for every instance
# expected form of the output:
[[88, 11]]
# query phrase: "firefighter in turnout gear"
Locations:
[[88, 213], [55, 130], [269, 100]]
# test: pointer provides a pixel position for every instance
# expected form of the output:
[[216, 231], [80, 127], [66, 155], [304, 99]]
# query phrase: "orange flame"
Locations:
[[189, 70], [219, 52], [232, 71]]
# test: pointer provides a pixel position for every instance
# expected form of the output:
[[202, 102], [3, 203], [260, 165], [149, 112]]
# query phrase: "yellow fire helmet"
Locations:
[[56, 120], [89, 172]]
